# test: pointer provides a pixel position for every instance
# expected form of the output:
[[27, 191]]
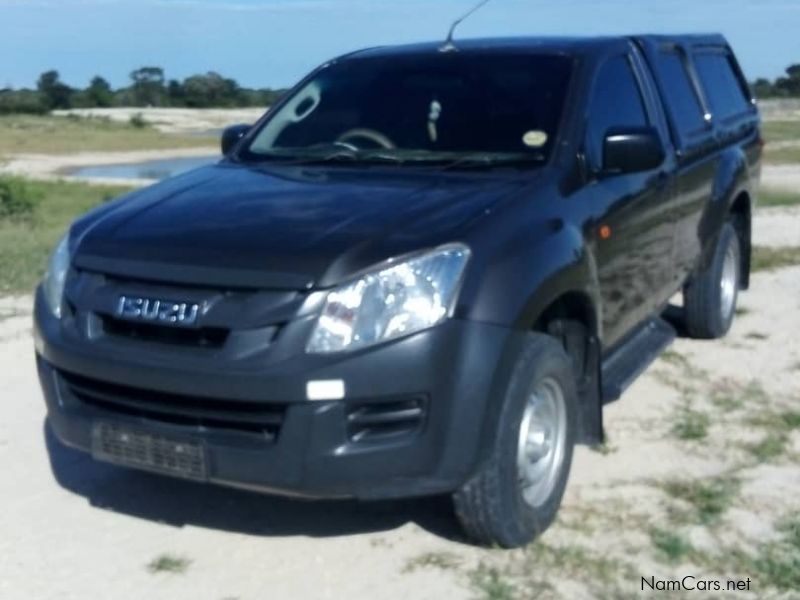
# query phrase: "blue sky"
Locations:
[[271, 43]]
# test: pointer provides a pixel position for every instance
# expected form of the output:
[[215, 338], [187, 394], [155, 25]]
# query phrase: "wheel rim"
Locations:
[[542, 438], [729, 283]]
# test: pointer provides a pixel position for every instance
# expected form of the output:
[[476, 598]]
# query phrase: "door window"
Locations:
[[721, 84], [679, 93], [616, 102]]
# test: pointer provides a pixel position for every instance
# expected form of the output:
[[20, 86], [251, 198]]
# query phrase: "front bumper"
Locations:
[[451, 372]]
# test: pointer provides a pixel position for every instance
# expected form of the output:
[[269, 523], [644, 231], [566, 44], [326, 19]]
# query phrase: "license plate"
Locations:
[[144, 450]]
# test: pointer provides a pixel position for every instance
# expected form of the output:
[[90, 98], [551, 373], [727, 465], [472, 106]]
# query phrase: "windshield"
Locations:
[[454, 108]]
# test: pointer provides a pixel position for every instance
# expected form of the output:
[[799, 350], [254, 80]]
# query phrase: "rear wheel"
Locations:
[[516, 493], [710, 297]]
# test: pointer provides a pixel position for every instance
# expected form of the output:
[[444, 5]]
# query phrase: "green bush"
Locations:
[[18, 201], [21, 101], [138, 121]]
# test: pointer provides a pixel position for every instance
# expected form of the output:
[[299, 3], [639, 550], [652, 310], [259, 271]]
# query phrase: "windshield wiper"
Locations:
[[486, 161], [367, 157]]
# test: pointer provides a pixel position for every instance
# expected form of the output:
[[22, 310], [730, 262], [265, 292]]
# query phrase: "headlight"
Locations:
[[53, 284], [391, 302]]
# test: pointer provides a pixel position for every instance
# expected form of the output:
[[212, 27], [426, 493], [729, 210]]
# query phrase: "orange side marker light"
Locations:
[[605, 232]]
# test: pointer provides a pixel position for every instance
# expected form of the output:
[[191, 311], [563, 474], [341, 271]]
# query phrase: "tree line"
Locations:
[[787, 86], [148, 87]]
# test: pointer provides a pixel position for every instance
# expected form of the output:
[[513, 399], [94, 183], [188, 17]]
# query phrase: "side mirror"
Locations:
[[231, 136], [632, 150]]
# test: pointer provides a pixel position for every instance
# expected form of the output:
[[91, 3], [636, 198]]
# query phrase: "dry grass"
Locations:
[[768, 259], [21, 134]]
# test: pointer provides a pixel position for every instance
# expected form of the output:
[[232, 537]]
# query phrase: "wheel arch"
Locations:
[[573, 317], [562, 289], [731, 199], [741, 214]]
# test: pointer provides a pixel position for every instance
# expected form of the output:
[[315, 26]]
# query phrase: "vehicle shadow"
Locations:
[[178, 503], [675, 316]]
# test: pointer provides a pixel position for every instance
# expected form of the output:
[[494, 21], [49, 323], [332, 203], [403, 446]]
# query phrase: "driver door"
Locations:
[[633, 220]]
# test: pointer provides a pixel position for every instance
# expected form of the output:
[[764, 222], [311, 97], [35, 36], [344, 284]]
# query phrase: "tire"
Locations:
[[710, 296], [492, 506]]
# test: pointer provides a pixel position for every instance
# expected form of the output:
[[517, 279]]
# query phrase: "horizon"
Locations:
[[189, 37]]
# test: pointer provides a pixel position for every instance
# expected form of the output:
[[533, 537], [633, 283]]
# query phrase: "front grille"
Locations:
[[206, 413], [207, 337], [380, 421]]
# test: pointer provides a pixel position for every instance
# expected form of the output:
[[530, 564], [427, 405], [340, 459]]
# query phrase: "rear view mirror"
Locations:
[[632, 150], [231, 136]]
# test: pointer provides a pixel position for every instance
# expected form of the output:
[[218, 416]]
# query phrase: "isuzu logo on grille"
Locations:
[[152, 310]]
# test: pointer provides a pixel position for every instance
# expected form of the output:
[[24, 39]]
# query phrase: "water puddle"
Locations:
[[152, 169]]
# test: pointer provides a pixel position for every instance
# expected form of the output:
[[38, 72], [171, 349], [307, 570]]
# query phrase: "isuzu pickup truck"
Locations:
[[424, 271]]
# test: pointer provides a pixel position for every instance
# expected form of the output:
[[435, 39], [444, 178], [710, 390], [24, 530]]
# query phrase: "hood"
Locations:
[[283, 227]]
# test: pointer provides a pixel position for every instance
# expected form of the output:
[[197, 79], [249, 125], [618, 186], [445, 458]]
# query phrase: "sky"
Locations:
[[273, 43]]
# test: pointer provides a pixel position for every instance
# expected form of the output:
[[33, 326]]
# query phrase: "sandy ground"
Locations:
[[175, 120], [787, 109], [781, 177], [72, 528]]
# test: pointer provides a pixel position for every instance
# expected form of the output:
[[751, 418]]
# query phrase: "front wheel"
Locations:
[[710, 297], [516, 493]]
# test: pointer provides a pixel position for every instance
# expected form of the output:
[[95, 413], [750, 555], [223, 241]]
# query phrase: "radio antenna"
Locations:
[[449, 45]]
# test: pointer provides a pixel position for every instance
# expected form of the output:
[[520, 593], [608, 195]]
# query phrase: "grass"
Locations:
[[605, 448], [575, 561], [778, 426], [491, 584], [433, 560], [781, 131], [779, 562], [772, 446], [691, 424], [782, 156], [21, 134], [18, 199], [784, 421], [26, 244], [726, 395], [769, 259], [675, 358], [708, 499], [673, 546], [770, 198], [527, 574], [730, 395], [168, 563], [775, 564]]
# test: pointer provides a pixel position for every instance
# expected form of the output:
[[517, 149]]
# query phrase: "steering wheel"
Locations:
[[367, 134]]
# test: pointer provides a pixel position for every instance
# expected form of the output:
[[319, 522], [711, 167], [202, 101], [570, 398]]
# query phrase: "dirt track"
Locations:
[[72, 528]]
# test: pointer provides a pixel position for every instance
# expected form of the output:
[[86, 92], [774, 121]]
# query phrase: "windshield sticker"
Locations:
[[534, 139]]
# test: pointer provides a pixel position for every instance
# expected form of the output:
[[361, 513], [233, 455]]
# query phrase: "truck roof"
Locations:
[[566, 45]]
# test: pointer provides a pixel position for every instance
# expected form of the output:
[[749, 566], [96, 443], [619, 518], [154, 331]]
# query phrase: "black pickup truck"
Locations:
[[424, 271]]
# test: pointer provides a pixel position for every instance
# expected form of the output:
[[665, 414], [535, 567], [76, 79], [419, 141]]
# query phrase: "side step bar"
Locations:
[[621, 368]]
